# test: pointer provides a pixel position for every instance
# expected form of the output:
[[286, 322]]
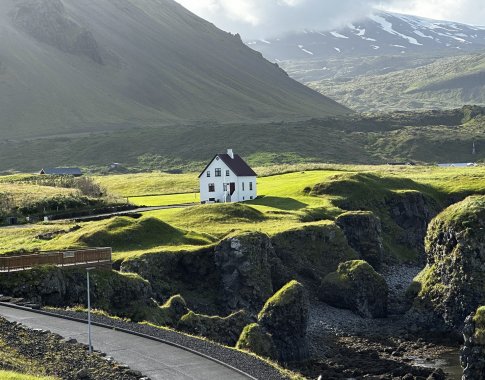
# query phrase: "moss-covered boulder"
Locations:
[[472, 354], [171, 311], [452, 285], [244, 270], [358, 287], [282, 326], [310, 252], [225, 330], [255, 339], [364, 234]]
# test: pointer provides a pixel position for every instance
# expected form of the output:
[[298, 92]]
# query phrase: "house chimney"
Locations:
[[230, 153]]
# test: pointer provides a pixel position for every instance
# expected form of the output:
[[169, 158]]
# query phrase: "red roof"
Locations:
[[236, 164]]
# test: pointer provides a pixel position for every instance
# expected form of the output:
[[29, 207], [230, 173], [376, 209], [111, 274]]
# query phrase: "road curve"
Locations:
[[154, 359]]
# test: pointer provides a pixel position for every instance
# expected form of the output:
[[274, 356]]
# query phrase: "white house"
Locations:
[[227, 178]]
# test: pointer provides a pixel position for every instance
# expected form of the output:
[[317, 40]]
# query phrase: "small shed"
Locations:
[[76, 172]]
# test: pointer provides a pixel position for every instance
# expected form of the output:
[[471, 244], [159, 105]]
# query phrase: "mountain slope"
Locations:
[[382, 33], [387, 62], [445, 83], [80, 66]]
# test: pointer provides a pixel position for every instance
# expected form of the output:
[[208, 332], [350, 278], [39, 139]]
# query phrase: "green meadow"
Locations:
[[288, 197]]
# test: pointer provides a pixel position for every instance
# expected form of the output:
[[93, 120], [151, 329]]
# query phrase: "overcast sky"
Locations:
[[266, 18]]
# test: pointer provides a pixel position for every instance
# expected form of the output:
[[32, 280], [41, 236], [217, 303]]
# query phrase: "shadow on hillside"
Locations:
[[281, 203]]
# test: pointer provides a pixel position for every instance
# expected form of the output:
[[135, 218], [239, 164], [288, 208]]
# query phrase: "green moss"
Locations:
[[123, 233], [253, 338], [282, 297], [479, 320], [171, 311], [350, 271], [225, 330], [467, 216], [8, 375], [222, 213]]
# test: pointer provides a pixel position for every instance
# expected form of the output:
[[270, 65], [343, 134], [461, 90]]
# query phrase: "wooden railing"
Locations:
[[81, 257]]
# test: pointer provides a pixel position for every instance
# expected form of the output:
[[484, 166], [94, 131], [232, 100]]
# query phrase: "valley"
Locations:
[[356, 252], [387, 62]]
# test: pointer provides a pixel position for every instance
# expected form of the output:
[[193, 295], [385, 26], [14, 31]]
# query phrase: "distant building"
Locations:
[[227, 178], [76, 172]]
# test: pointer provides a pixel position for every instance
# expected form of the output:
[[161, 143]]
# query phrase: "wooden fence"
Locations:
[[83, 257]]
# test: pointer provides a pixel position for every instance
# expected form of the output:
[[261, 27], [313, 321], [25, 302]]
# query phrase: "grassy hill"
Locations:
[[442, 83], [70, 67], [305, 196], [431, 136]]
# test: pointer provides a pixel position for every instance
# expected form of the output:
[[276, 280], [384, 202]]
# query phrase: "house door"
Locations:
[[232, 187]]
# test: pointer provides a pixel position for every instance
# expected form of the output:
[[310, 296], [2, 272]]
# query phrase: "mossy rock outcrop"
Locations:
[[472, 353], [404, 207], [282, 326], [224, 330], [452, 285], [364, 234], [192, 274], [244, 270], [255, 339], [358, 287], [171, 311], [124, 295], [310, 252]]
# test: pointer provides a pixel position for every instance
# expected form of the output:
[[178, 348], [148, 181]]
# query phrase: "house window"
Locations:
[[224, 186], [218, 172], [212, 188], [228, 173], [251, 186], [243, 186], [251, 197], [208, 173]]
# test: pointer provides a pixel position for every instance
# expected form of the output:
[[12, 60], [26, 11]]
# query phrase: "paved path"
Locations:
[[155, 360]]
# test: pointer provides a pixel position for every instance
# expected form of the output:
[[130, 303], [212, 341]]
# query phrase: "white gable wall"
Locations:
[[218, 195]]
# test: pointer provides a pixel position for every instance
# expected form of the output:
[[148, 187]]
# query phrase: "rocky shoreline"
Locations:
[[344, 345]]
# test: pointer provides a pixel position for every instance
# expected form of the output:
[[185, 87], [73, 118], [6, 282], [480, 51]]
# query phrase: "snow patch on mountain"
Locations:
[[387, 26], [305, 50], [338, 35], [421, 34]]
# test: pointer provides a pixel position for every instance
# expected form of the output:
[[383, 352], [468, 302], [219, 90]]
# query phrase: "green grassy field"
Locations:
[[8, 375], [285, 201]]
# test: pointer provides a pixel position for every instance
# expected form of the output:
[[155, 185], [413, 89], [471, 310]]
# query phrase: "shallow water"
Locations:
[[448, 362]]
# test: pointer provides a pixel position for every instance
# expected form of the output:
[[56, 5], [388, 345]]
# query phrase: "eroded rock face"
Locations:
[[472, 353], [309, 253], [411, 211], [283, 322], [358, 287], [364, 234], [123, 295], [191, 274], [48, 22], [244, 270], [452, 285]]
